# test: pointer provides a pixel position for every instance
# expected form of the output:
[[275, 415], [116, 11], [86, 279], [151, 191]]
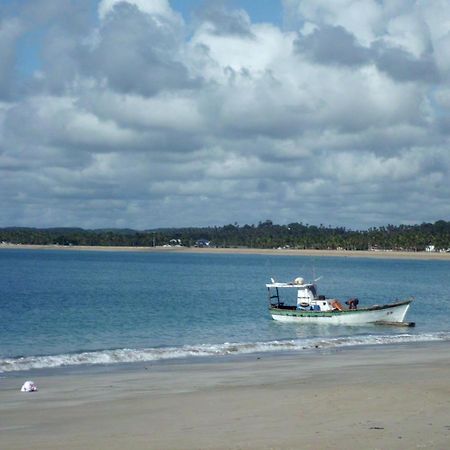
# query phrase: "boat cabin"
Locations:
[[306, 297]]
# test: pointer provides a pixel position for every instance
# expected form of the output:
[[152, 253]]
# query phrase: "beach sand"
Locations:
[[379, 397], [247, 251]]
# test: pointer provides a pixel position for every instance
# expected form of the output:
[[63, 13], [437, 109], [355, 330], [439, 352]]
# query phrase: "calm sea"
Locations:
[[66, 308]]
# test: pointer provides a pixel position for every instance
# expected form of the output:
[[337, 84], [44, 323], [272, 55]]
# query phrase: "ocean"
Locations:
[[73, 308]]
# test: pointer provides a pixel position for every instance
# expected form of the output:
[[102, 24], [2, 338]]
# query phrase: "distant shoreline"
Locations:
[[381, 254]]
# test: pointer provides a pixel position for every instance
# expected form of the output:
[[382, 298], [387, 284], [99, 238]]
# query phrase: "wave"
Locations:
[[127, 355]]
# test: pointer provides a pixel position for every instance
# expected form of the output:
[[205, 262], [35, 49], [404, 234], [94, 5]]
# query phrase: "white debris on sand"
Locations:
[[29, 386]]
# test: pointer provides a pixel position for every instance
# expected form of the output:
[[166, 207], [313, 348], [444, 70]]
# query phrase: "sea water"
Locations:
[[68, 308]]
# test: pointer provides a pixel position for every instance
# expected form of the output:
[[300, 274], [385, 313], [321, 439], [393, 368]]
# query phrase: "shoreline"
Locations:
[[393, 397], [381, 254], [94, 361], [89, 368]]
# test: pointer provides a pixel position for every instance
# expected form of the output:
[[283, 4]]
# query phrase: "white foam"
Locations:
[[156, 354]]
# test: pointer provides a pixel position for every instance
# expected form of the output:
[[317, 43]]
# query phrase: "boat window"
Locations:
[[313, 290]]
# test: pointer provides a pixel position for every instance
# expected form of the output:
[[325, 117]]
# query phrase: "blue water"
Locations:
[[68, 307]]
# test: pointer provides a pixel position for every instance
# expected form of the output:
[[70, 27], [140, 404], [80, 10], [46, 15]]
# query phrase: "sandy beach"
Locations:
[[390, 397], [255, 251]]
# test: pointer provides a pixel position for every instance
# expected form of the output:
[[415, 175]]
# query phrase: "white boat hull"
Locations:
[[394, 313]]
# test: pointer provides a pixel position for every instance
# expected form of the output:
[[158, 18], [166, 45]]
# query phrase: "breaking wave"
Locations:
[[126, 355]]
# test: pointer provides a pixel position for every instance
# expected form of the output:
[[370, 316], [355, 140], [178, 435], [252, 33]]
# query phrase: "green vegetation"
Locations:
[[264, 235]]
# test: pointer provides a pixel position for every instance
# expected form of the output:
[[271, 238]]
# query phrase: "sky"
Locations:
[[155, 113]]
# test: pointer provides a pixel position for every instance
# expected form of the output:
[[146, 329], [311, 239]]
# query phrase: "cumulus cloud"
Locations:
[[138, 117], [222, 21], [137, 52], [333, 45], [403, 66]]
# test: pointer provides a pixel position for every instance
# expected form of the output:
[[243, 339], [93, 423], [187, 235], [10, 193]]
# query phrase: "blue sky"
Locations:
[[28, 47], [157, 113]]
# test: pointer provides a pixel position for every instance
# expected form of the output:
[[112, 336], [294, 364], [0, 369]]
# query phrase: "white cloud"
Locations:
[[165, 111], [363, 18], [263, 48], [57, 121]]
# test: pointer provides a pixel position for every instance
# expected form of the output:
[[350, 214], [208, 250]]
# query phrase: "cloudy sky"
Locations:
[[154, 113]]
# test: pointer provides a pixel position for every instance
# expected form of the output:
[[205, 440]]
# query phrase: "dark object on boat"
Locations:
[[352, 303]]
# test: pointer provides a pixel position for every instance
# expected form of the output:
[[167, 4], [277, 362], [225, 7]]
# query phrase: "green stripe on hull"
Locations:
[[297, 313]]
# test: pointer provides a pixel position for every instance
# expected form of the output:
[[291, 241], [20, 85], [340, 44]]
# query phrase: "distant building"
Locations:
[[430, 248], [202, 243]]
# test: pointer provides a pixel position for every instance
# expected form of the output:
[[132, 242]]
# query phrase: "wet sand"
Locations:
[[291, 252], [381, 397]]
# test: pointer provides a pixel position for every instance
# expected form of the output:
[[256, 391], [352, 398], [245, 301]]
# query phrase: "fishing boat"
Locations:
[[310, 307]]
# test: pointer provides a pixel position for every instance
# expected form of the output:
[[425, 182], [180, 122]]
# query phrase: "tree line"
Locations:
[[263, 235]]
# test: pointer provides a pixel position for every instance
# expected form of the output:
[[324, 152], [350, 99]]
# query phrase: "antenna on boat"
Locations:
[[314, 272]]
